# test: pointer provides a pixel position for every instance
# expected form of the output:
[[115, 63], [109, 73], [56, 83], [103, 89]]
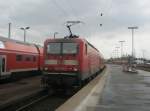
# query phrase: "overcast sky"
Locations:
[[44, 17]]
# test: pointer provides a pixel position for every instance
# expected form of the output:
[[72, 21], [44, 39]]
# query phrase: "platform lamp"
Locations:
[[9, 30], [24, 29], [132, 29], [55, 34], [121, 43]]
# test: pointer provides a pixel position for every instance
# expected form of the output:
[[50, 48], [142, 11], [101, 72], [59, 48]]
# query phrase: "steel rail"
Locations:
[[31, 103]]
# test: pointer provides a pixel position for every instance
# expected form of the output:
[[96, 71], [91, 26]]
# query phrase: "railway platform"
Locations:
[[125, 91], [121, 91]]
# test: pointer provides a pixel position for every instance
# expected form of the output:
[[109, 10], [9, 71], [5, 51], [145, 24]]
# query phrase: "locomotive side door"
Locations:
[[2, 65]]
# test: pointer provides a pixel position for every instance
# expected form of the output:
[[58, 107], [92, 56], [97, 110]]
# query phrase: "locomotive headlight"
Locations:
[[75, 69], [70, 62], [50, 62], [46, 68]]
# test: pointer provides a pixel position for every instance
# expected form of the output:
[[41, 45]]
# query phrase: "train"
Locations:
[[70, 62], [17, 57]]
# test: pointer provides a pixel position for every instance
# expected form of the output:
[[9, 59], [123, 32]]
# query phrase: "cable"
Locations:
[[59, 7], [73, 13], [110, 7]]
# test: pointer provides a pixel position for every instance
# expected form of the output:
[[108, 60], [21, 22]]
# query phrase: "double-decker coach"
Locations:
[[69, 62], [17, 57]]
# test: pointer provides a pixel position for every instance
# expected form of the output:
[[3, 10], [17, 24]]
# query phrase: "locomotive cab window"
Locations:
[[70, 48], [54, 48], [62, 48]]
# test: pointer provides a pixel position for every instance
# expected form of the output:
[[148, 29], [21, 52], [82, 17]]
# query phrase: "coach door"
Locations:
[[2, 65]]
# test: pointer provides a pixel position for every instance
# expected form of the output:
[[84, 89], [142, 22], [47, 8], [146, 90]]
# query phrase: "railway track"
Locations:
[[31, 103], [20, 101], [49, 103], [37, 102]]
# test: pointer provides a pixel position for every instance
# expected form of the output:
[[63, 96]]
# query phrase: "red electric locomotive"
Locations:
[[70, 61], [16, 56]]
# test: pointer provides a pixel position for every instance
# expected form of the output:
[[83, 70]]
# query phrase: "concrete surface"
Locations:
[[125, 92], [87, 96]]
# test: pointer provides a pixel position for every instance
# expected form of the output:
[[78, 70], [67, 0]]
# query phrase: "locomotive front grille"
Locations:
[[64, 62], [59, 73], [70, 62], [51, 62]]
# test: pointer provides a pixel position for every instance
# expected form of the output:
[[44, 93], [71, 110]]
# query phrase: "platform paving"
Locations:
[[125, 91]]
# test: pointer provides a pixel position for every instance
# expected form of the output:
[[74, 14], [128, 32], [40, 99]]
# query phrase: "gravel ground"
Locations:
[[15, 90], [48, 104]]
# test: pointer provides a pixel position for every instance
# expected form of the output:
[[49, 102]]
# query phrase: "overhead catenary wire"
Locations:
[[69, 13], [73, 13], [59, 7], [108, 8], [105, 10]]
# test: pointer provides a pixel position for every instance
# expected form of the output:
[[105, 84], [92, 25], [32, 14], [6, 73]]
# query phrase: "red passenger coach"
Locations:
[[16, 56], [70, 61]]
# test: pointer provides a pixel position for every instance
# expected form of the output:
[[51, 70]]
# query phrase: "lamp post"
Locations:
[[143, 52], [55, 34], [9, 30], [24, 29], [132, 59], [117, 51], [132, 28], [121, 42]]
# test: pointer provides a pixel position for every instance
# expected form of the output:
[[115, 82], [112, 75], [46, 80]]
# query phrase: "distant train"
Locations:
[[16, 57], [70, 62]]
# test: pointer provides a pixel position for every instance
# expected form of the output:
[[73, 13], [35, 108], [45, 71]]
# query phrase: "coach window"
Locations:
[[3, 65], [2, 46], [28, 58], [18, 57], [34, 58]]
